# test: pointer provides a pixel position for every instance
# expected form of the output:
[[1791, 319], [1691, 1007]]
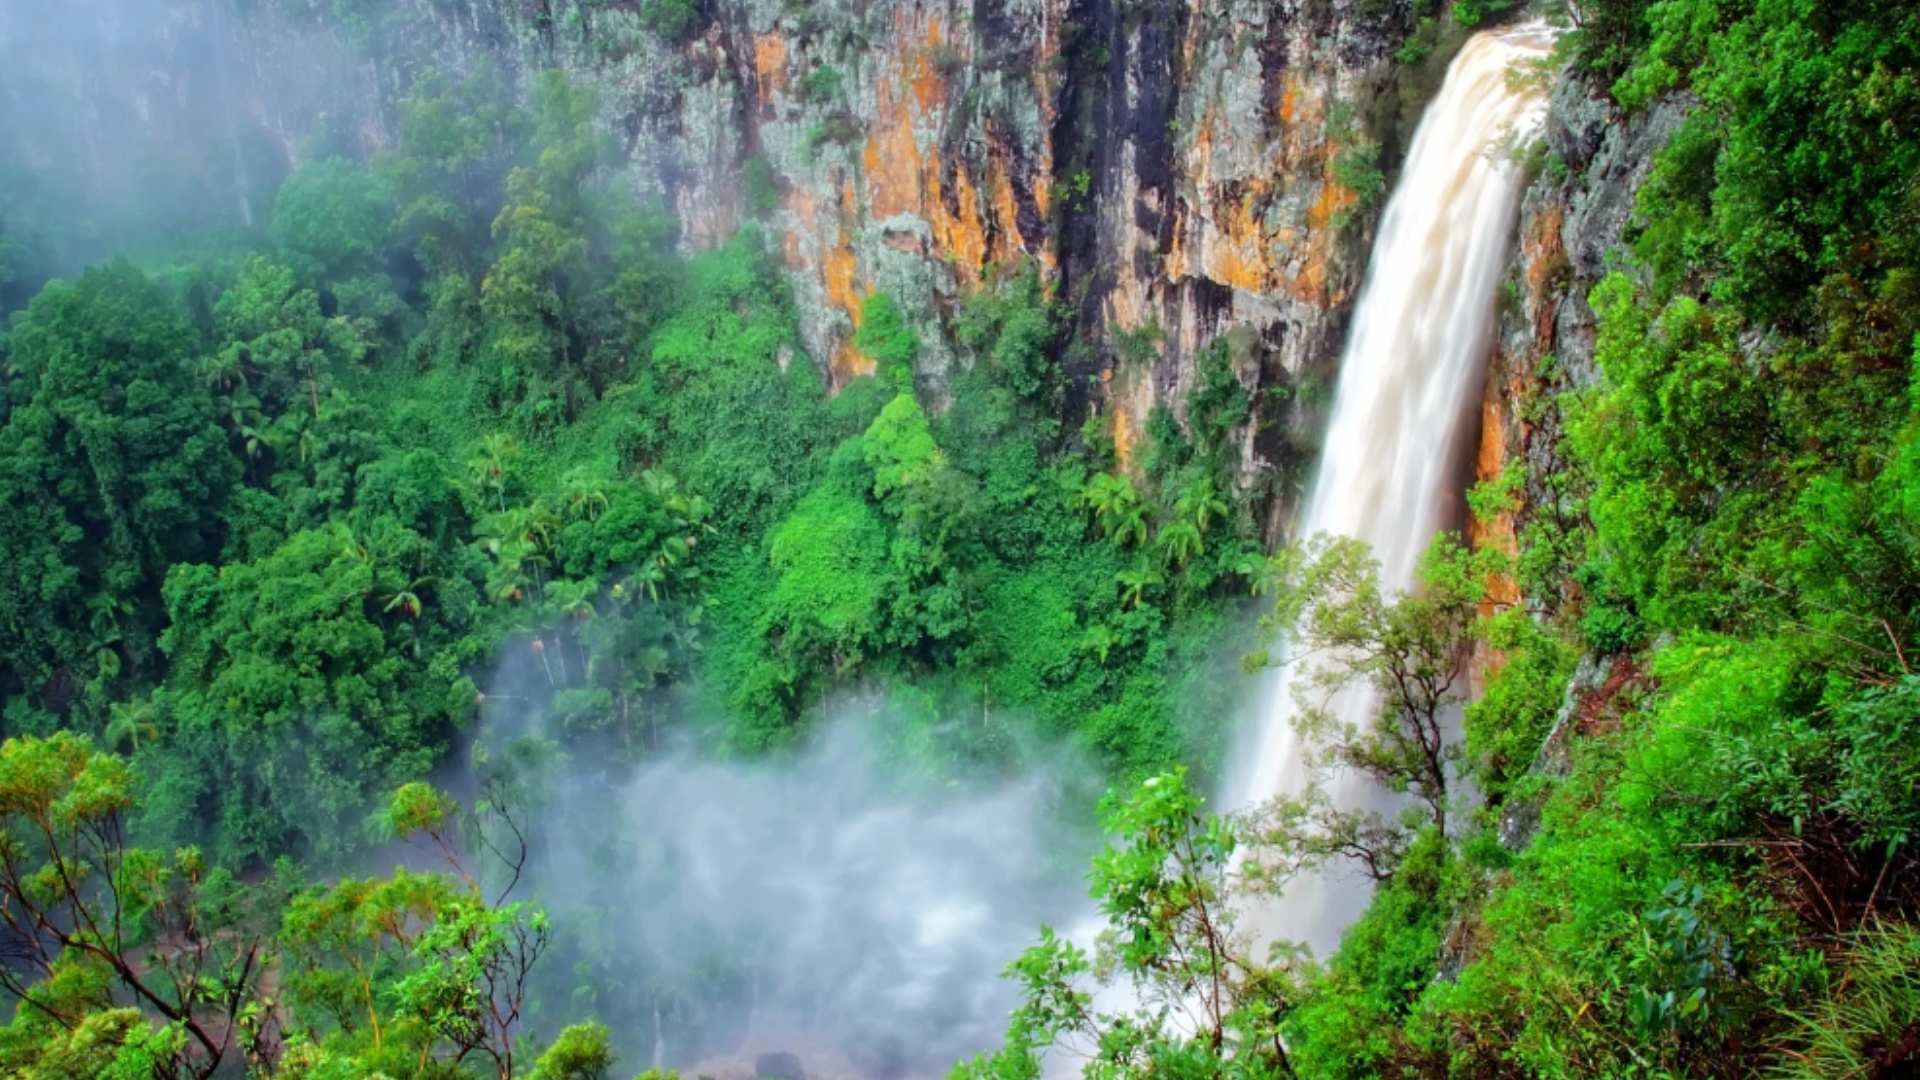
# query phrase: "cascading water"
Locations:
[[1416, 358], [242, 185]]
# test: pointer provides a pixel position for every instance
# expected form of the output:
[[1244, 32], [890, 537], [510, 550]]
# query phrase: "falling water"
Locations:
[[1416, 359], [243, 188]]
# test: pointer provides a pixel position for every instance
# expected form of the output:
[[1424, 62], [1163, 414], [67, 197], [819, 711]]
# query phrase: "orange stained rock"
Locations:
[[1236, 255], [1122, 430], [929, 90], [1289, 101], [891, 163], [849, 363], [1005, 210], [1491, 460], [1334, 197], [837, 271], [769, 65], [1542, 244], [1174, 265], [804, 205], [958, 235]]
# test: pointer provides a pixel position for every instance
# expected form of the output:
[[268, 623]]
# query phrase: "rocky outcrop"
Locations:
[[1575, 213]]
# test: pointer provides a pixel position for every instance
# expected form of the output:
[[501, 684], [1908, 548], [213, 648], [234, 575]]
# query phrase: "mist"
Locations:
[[845, 902]]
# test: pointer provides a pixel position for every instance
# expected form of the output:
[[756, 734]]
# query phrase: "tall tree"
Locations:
[[112, 467]]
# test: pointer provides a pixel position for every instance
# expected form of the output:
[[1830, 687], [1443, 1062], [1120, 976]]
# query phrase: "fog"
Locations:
[[845, 901]]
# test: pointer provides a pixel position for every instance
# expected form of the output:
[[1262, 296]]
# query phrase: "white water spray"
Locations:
[[1414, 362]]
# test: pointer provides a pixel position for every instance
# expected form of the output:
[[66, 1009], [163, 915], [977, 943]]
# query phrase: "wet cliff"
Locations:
[[1184, 172], [1578, 210]]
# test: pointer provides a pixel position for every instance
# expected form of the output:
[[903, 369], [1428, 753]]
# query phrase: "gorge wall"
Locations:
[[1195, 170]]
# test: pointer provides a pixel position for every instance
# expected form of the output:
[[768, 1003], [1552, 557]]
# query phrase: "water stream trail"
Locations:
[[242, 185], [1414, 363]]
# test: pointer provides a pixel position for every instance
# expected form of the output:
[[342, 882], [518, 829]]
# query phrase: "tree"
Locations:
[[292, 660], [1197, 1003], [331, 222], [92, 923], [1408, 654], [454, 964], [1200, 502], [273, 332], [580, 1052], [112, 466], [1117, 507]]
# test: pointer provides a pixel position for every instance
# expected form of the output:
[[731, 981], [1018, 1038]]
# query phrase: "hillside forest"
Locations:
[[347, 549]]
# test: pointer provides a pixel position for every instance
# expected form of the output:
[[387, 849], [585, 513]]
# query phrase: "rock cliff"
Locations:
[[1576, 212], [1186, 171]]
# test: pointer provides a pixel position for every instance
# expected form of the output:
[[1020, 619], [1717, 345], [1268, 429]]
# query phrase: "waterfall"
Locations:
[[243, 189], [1413, 367]]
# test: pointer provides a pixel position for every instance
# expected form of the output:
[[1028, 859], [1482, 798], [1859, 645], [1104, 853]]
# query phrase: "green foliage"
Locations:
[[1012, 320], [331, 218], [1809, 101], [1857, 1029], [579, 1052], [1505, 728], [900, 449], [1357, 168], [1193, 1003], [271, 516], [669, 18], [111, 468], [303, 666], [822, 85], [886, 338]]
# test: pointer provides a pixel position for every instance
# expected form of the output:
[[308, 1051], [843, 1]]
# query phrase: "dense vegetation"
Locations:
[[457, 437], [456, 445], [1709, 871]]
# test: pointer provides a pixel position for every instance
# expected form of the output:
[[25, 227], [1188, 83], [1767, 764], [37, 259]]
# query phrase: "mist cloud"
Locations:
[[838, 903]]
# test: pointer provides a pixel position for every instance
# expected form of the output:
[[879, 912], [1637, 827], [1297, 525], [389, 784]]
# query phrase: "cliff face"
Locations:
[[1576, 211], [1190, 169]]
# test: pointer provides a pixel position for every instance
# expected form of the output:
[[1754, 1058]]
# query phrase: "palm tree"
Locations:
[[1131, 525], [129, 722], [104, 612], [1106, 495], [689, 512], [520, 541], [1100, 639], [573, 599], [488, 468], [1200, 503], [225, 369], [1134, 583], [582, 495], [648, 579], [1116, 507], [249, 423], [1262, 572], [407, 599], [1179, 542]]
